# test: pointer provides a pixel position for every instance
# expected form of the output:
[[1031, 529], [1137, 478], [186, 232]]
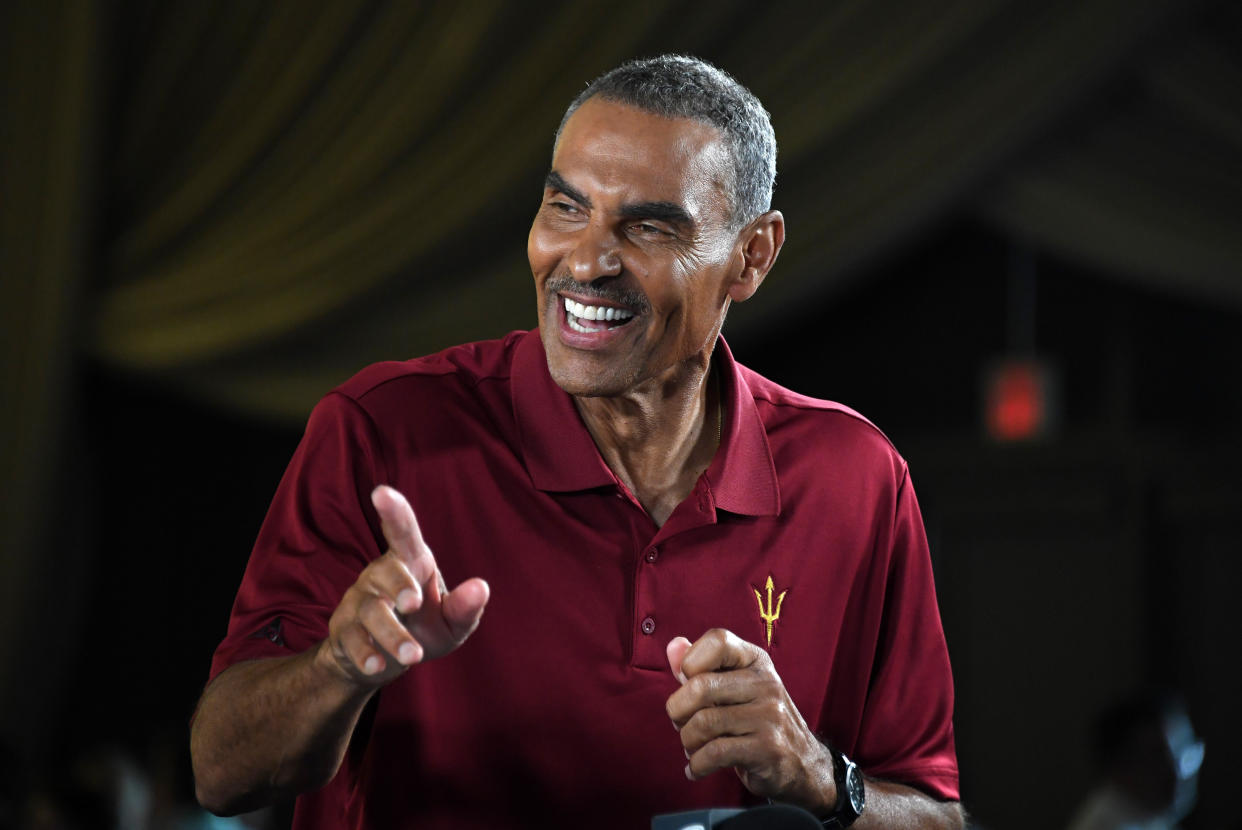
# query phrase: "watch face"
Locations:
[[854, 789]]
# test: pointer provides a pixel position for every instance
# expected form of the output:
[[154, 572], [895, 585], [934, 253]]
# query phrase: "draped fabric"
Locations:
[[249, 201], [1148, 186], [302, 189], [48, 130]]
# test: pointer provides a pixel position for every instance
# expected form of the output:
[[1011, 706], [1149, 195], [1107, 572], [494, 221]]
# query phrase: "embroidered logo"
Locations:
[[769, 615]]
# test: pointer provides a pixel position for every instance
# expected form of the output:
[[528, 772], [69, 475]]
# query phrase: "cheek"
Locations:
[[539, 251]]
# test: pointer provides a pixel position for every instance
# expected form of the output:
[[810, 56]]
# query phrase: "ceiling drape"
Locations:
[[300, 189]]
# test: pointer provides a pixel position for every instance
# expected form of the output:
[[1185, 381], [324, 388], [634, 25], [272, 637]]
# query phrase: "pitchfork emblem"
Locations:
[[769, 615]]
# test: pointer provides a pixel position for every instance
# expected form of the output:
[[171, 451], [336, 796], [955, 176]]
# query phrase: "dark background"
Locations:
[[1070, 570]]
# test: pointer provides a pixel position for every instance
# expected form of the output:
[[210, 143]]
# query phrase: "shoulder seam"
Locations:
[[835, 409], [375, 433], [454, 371]]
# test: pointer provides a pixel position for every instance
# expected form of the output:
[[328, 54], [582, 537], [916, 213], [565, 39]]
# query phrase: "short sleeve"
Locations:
[[319, 534], [907, 728]]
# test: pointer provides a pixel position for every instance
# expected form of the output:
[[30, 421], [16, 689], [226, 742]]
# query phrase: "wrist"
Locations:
[[826, 793], [849, 789]]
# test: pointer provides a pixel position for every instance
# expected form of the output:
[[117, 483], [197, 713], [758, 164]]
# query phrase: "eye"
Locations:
[[564, 207], [648, 229]]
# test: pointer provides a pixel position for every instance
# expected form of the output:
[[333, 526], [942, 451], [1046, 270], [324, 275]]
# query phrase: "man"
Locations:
[[658, 534]]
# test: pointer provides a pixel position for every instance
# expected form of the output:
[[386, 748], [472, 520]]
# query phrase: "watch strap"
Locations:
[[843, 769]]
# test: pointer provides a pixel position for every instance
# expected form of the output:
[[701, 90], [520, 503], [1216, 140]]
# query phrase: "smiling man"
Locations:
[[657, 533]]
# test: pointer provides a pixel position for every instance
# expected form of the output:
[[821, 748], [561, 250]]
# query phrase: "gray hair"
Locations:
[[680, 86]]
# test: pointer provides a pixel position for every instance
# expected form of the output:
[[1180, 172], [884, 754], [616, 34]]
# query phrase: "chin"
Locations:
[[584, 374], [582, 378], [584, 384]]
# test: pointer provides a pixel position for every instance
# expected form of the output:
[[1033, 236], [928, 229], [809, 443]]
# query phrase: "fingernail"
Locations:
[[406, 653], [687, 754], [689, 775], [372, 665]]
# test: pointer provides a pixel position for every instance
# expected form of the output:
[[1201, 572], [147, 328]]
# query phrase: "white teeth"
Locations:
[[596, 312]]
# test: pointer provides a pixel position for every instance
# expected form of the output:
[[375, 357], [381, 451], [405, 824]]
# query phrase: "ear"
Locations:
[[761, 241]]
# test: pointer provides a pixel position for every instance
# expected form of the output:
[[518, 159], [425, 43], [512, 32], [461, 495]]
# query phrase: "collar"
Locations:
[[561, 456], [742, 475]]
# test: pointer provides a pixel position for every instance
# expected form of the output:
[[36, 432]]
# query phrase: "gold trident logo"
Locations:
[[768, 615]]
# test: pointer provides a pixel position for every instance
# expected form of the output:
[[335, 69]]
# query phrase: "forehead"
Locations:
[[615, 151]]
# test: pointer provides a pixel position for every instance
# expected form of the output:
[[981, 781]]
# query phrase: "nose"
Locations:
[[597, 253]]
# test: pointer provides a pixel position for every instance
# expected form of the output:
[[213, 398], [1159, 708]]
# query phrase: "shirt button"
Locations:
[[652, 554], [648, 626]]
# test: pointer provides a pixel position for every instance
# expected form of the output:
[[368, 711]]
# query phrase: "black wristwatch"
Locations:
[[851, 794]]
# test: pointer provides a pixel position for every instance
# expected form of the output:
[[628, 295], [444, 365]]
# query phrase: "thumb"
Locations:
[[676, 651], [463, 607]]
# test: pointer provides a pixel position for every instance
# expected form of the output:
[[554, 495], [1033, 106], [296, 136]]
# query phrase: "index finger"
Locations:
[[719, 650], [400, 529]]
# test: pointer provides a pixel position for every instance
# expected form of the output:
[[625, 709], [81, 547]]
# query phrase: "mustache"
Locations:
[[628, 298]]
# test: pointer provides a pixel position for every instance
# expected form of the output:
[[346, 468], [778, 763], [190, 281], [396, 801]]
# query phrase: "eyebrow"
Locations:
[[554, 181], [668, 212]]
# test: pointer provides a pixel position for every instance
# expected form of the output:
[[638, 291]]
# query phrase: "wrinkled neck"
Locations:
[[658, 439]]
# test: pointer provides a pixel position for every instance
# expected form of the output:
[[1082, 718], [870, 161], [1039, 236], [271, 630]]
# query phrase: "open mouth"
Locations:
[[589, 319]]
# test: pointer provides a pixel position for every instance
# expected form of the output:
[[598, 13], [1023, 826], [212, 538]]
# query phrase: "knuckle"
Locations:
[[701, 762], [704, 758], [698, 688], [769, 685], [353, 597], [375, 614], [693, 735], [388, 568], [775, 712], [716, 754], [707, 721]]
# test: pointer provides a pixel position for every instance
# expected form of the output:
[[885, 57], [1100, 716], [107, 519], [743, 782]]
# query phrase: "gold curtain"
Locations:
[[301, 190], [49, 129], [347, 144]]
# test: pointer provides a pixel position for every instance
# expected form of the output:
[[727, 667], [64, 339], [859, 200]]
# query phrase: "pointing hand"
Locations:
[[399, 612]]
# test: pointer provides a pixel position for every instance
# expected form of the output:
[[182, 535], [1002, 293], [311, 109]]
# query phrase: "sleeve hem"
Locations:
[[940, 782]]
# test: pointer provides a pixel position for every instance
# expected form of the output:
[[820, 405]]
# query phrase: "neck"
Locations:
[[660, 437]]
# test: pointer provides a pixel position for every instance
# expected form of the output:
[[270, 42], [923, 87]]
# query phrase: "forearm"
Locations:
[[895, 807], [271, 728]]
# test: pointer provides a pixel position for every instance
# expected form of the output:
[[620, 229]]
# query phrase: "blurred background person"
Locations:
[[1149, 759]]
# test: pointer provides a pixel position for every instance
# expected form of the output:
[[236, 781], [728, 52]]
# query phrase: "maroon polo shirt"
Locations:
[[552, 713]]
